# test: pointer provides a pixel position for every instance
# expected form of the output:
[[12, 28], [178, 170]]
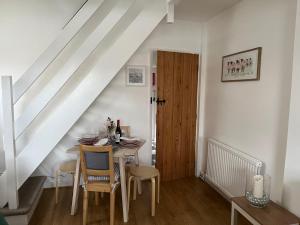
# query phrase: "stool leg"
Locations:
[[158, 187], [85, 206], [102, 194], [134, 188], [56, 186], [97, 198], [153, 197], [139, 186], [139, 181], [128, 191], [73, 178]]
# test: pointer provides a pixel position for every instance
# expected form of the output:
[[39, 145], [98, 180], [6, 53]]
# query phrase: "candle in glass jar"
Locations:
[[258, 186]]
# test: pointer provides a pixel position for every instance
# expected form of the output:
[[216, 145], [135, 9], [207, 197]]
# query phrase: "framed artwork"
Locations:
[[242, 66], [136, 76]]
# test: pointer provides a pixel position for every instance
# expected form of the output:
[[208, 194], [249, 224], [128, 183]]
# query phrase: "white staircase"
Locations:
[[66, 35], [66, 97]]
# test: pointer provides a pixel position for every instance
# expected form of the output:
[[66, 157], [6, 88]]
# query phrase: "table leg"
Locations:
[[136, 158], [233, 215], [123, 189], [76, 188]]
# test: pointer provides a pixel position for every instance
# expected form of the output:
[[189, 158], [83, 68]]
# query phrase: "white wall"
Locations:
[[130, 104], [252, 116], [27, 29], [291, 191]]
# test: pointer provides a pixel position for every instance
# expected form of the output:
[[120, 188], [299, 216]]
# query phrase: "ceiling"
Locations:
[[200, 10]]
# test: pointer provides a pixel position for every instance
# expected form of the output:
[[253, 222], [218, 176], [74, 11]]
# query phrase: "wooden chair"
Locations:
[[140, 173], [99, 175], [125, 131], [133, 160], [66, 167]]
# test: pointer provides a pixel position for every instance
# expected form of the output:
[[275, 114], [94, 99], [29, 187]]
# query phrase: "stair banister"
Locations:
[[9, 142], [51, 53], [40, 101], [77, 102]]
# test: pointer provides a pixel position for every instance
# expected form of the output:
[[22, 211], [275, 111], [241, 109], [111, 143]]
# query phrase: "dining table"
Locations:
[[120, 154]]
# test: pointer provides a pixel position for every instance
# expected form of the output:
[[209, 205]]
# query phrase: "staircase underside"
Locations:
[[43, 140]]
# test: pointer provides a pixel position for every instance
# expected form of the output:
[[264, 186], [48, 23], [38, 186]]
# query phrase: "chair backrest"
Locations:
[[97, 161], [125, 130]]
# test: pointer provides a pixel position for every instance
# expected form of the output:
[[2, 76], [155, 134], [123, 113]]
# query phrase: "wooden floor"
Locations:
[[183, 202]]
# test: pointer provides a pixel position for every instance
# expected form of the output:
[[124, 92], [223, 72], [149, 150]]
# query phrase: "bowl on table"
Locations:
[[88, 139], [102, 142], [130, 139]]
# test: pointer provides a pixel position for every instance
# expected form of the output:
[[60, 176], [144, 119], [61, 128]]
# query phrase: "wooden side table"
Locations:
[[272, 214]]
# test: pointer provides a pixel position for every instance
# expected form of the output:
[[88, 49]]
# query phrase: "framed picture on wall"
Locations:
[[136, 76], [242, 66]]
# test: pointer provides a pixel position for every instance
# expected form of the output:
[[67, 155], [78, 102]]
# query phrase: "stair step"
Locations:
[[29, 195]]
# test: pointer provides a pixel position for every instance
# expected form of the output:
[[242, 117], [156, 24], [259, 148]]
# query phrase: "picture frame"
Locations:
[[242, 66], [136, 75]]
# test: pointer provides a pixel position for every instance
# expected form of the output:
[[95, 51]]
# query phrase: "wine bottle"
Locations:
[[118, 132]]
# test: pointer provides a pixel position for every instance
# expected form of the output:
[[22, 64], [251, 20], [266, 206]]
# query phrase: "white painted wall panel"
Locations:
[[252, 116], [291, 191]]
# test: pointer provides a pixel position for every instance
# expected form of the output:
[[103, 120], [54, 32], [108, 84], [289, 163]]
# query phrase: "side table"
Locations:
[[272, 214]]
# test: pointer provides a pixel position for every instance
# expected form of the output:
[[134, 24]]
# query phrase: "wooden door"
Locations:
[[177, 80]]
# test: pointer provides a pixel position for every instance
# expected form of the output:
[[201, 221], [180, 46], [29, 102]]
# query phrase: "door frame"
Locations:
[[199, 101]]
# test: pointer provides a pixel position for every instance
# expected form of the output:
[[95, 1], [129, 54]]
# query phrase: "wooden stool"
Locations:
[[138, 173], [65, 167]]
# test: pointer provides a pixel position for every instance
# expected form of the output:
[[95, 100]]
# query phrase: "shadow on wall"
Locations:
[[289, 198]]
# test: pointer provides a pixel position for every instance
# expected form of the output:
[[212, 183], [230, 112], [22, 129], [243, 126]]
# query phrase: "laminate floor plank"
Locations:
[[187, 201]]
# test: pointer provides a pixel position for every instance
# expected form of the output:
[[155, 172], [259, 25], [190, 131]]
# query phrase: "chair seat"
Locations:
[[68, 166], [101, 186], [144, 172]]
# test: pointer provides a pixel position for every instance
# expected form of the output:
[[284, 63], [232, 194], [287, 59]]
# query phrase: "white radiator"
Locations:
[[227, 168]]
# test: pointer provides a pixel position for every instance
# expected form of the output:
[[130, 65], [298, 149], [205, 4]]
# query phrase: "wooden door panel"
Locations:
[[185, 114], [168, 114], [193, 115], [179, 167], [159, 115], [177, 78]]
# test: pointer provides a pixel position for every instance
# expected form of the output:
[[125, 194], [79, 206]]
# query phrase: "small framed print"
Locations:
[[242, 66], [136, 76]]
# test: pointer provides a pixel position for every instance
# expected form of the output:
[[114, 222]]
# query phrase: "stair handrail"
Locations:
[[40, 101], [11, 93]]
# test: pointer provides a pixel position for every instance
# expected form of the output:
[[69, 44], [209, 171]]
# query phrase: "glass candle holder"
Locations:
[[258, 190]]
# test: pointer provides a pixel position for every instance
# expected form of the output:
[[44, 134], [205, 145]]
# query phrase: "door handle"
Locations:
[[157, 101], [161, 102]]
